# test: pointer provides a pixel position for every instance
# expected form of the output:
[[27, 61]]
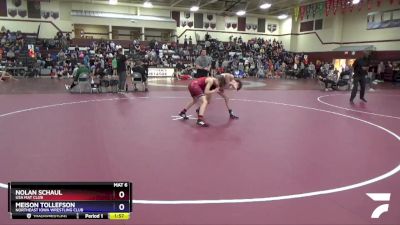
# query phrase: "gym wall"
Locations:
[[346, 29], [337, 30], [222, 32]]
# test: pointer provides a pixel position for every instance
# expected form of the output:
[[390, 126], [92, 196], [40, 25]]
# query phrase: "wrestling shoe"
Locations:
[[234, 117], [202, 123], [183, 115], [231, 115]]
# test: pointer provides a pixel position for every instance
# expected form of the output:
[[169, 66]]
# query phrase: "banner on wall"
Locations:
[[210, 21], [261, 25], [320, 9], [34, 9], [160, 72], [231, 23], [16, 9], [332, 6], [187, 19], [251, 27], [302, 11], [272, 27], [241, 21], [296, 13], [3, 8], [176, 15], [198, 20], [31, 9]]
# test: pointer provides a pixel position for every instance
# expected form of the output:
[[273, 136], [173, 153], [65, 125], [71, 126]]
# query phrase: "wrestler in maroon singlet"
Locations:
[[197, 87], [199, 90]]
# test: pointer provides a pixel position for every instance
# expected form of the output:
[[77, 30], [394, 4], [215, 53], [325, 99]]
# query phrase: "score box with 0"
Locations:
[[70, 197]]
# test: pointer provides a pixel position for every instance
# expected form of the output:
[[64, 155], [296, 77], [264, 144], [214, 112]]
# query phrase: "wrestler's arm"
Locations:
[[209, 83]]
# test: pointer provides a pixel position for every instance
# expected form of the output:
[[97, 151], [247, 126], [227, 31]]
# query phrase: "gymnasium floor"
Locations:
[[297, 155]]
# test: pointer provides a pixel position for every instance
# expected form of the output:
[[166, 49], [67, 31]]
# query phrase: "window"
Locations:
[[396, 14], [307, 26], [318, 24], [383, 19], [386, 16], [371, 18]]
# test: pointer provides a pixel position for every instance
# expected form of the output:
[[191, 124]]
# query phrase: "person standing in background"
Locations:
[[311, 69], [121, 69], [360, 67], [380, 71], [203, 64]]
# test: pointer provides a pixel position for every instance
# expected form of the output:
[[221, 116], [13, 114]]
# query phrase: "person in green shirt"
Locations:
[[82, 69], [114, 66]]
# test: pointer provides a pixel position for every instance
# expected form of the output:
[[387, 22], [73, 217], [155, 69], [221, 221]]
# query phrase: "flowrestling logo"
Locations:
[[379, 197]]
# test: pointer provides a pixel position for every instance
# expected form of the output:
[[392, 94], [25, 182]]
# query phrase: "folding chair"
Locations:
[[344, 84], [83, 82], [137, 78]]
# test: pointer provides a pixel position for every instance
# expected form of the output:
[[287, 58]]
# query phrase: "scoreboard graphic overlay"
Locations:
[[70, 200]]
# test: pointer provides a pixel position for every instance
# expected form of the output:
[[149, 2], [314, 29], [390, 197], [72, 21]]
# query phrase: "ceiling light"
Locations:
[[194, 8], [113, 2], [147, 5], [356, 1], [282, 16], [241, 13], [265, 6]]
